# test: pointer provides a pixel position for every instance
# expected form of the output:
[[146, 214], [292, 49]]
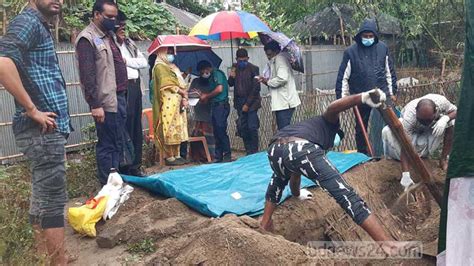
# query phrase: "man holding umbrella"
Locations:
[[247, 100], [282, 85]]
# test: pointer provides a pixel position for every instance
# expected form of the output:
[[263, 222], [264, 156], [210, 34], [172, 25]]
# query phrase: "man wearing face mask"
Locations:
[[366, 65], [428, 121], [135, 61], [247, 100], [104, 81], [220, 108]]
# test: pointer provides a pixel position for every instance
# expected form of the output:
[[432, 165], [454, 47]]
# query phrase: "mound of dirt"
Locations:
[[182, 236]]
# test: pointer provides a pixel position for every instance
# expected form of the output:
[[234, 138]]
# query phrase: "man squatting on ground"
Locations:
[[300, 149], [428, 121]]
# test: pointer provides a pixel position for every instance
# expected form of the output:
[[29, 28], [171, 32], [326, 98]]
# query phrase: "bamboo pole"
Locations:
[[364, 131]]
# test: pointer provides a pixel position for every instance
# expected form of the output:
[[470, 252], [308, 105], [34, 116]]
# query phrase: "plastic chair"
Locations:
[[204, 144]]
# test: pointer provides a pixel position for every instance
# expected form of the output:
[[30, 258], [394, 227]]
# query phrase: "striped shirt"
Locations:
[[28, 42]]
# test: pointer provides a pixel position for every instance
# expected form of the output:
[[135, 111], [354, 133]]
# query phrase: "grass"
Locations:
[[146, 246]]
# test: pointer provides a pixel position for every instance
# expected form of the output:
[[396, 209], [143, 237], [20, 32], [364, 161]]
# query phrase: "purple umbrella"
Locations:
[[288, 46]]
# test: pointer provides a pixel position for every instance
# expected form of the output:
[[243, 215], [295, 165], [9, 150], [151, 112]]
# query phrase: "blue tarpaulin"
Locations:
[[237, 187]]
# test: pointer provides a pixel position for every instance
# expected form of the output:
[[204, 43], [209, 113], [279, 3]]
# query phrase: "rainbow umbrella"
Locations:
[[227, 25]]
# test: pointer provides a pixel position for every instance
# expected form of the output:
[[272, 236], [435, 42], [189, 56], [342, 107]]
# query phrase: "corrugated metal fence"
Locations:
[[321, 63], [324, 59]]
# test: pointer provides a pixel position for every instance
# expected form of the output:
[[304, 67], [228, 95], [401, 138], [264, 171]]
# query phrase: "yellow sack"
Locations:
[[83, 219]]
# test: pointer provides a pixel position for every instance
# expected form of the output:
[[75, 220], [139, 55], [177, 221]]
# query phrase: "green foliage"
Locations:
[[146, 20], [146, 246], [193, 7], [16, 234]]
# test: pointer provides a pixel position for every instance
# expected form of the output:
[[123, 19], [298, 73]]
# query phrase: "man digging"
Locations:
[[300, 149]]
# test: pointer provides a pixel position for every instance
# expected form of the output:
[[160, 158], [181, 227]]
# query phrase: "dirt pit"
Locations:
[[179, 235]]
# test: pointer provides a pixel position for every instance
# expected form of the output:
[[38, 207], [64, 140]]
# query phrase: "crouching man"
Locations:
[[428, 121], [300, 149]]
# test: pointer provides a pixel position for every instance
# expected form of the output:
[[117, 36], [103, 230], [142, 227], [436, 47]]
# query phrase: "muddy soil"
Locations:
[[182, 236]]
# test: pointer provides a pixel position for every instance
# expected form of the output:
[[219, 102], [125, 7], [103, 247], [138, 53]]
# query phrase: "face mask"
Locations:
[[170, 58], [242, 64], [108, 24], [206, 75], [367, 42]]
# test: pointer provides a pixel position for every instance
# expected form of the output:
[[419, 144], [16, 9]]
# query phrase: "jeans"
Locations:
[[283, 117], [308, 159], [248, 125], [134, 124], [110, 139], [46, 155], [220, 112]]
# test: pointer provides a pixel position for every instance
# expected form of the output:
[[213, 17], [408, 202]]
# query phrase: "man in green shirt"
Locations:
[[220, 108]]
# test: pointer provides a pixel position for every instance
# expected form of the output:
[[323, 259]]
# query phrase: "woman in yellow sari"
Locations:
[[169, 102]]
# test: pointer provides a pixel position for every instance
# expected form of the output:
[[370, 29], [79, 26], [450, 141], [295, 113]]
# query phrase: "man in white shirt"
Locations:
[[135, 61], [282, 85], [428, 121]]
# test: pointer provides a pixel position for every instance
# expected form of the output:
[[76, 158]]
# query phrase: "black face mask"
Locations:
[[108, 24]]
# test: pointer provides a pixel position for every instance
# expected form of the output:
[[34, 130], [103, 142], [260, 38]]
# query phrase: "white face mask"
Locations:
[[170, 58], [206, 75]]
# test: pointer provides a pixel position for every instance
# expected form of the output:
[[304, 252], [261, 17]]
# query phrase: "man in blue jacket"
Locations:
[[365, 65]]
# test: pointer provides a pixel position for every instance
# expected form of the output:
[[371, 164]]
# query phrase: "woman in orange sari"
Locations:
[[169, 102]]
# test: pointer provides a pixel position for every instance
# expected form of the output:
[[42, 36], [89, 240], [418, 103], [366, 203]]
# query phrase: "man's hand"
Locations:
[[124, 60], [365, 98], [305, 194], [406, 180], [45, 119], [245, 108], [440, 126], [98, 114], [232, 72], [267, 226], [204, 98], [443, 164], [393, 98]]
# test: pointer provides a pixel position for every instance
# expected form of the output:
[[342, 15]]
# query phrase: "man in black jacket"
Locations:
[[365, 65], [247, 100]]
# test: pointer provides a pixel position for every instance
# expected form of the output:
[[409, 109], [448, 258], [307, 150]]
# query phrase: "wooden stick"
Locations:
[[364, 131]]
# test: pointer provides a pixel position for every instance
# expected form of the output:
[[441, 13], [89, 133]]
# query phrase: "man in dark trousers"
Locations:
[[135, 61], [300, 149], [104, 81], [247, 100], [366, 65], [220, 108], [29, 70]]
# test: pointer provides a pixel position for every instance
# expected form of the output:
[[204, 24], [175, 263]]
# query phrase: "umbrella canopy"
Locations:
[[189, 60], [182, 43], [289, 47], [226, 25]]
